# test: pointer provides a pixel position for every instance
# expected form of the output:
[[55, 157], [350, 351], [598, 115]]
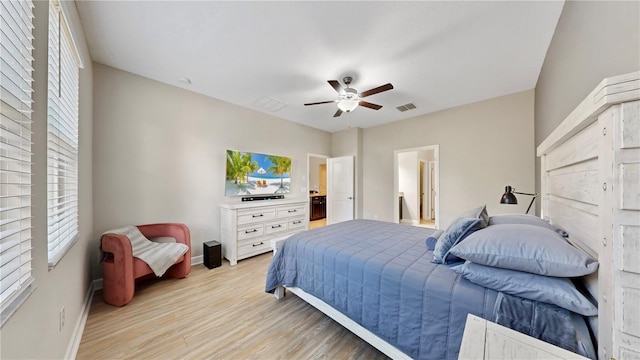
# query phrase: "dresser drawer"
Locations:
[[254, 215], [289, 211], [253, 248], [296, 223], [276, 226], [247, 232]]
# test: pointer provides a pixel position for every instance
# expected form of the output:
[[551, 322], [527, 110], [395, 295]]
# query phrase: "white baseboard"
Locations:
[[97, 285], [78, 330], [195, 260]]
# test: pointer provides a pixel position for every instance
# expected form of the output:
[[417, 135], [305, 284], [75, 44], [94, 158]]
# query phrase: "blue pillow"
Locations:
[[527, 248], [525, 219], [552, 290], [455, 233], [480, 212], [431, 240]]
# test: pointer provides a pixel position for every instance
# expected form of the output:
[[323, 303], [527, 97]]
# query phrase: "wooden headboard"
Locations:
[[590, 168]]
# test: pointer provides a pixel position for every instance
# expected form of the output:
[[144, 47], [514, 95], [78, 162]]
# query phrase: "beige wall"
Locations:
[[593, 40], [483, 147], [33, 331], [160, 153]]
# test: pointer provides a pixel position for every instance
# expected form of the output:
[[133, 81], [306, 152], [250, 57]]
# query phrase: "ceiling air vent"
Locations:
[[269, 104], [405, 107]]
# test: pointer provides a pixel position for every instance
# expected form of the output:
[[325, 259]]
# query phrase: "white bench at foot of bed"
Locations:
[[483, 339]]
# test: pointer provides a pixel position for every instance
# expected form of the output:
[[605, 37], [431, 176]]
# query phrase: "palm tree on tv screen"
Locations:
[[280, 165], [234, 166], [248, 166], [239, 166]]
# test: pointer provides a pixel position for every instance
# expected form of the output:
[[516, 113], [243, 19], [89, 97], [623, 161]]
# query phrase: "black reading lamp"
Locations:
[[509, 198]]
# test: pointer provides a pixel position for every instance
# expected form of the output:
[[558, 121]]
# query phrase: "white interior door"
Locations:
[[432, 190], [425, 212], [340, 185]]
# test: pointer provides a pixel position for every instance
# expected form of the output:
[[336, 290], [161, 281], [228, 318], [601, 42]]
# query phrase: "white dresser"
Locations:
[[247, 228]]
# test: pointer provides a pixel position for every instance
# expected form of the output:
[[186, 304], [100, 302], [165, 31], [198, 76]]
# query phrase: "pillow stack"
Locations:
[[526, 257]]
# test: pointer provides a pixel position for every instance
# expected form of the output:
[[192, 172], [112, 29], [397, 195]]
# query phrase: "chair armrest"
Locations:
[[118, 245], [178, 231]]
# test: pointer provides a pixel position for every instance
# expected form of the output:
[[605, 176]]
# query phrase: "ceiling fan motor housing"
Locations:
[[349, 94]]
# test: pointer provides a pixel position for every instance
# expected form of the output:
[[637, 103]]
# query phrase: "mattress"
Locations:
[[381, 276]]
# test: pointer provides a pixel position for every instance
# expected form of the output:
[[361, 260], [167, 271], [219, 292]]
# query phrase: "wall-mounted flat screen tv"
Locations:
[[257, 174]]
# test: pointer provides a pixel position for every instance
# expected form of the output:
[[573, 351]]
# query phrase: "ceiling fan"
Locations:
[[349, 98]]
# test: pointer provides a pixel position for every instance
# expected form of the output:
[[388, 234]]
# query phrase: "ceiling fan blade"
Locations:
[[321, 102], [379, 89], [369, 105], [336, 85], [338, 113]]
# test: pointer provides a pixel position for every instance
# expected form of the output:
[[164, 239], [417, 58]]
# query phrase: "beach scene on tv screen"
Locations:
[[257, 174]]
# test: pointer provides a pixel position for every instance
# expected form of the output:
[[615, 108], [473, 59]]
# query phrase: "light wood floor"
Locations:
[[222, 313], [317, 223], [427, 223]]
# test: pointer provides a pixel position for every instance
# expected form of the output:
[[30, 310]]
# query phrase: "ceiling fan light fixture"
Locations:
[[347, 105]]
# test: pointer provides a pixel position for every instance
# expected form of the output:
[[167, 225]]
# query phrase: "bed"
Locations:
[[381, 276], [386, 289]]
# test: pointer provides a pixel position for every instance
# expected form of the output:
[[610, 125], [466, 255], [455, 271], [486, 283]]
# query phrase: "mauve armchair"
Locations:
[[122, 270]]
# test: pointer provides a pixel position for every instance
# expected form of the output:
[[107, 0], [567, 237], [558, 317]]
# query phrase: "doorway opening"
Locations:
[[317, 185], [416, 186]]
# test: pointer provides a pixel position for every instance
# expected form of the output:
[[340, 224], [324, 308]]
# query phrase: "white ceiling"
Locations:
[[437, 54]]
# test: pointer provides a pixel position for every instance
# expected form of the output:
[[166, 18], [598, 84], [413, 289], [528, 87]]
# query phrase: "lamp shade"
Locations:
[[347, 105], [508, 197]]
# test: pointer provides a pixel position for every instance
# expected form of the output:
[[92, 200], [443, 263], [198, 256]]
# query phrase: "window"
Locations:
[[62, 137], [16, 26]]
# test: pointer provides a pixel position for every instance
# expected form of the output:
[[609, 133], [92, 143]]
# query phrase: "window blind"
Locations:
[[62, 137], [16, 28]]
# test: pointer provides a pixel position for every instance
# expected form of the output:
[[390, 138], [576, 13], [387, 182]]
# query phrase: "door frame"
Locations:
[[436, 157]]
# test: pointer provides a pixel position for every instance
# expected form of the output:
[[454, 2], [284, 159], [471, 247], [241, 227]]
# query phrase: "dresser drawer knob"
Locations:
[[297, 222], [276, 226], [261, 243], [250, 231], [257, 215], [292, 211]]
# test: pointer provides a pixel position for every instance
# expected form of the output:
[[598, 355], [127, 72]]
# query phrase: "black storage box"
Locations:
[[212, 254]]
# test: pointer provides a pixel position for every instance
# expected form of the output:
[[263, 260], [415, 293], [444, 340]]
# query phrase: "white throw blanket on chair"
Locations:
[[159, 256]]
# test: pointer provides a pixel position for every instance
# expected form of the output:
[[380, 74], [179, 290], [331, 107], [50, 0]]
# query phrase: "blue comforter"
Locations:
[[380, 275]]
